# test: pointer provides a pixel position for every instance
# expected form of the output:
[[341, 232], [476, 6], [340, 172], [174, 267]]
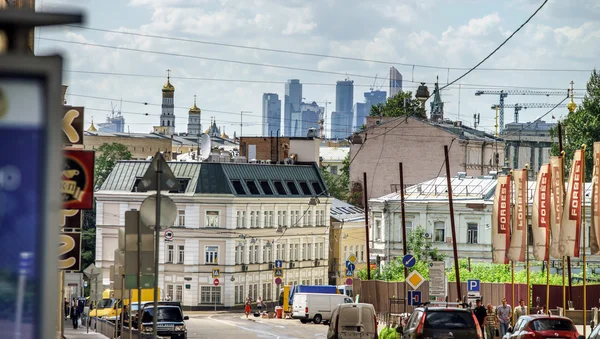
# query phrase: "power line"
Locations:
[[275, 50], [497, 48]]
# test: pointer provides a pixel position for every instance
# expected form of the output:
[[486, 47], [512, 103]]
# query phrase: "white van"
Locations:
[[353, 321], [316, 307]]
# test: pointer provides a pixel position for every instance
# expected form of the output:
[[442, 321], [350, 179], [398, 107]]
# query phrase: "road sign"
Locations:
[[437, 280], [351, 267], [352, 258], [278, 263], [168, 180], [474, 286], [278, 281], [25, 263], [414, 298], [168, 235], [216, 282], [349, 281], [409, 261], [415, 279], [349, 272], [216, 273], [278, 272], [348, 262]]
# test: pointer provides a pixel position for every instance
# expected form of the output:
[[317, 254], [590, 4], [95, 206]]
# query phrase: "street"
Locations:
[[230, 325]]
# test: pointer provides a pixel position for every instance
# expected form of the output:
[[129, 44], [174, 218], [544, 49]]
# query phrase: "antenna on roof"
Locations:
[[206, 144]]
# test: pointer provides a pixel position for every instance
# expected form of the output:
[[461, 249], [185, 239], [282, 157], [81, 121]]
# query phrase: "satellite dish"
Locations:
[[168, 211], [206, 144]]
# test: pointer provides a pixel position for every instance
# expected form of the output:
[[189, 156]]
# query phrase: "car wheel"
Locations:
[[317, 319], [303, 321]]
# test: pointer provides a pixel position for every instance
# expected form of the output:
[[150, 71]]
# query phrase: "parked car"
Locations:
[[543, 326], [355, 320], [170, 321], [316, 307], [443, 323]]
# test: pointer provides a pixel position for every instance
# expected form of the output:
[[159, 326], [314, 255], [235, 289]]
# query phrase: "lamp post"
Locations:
[[422, 95]]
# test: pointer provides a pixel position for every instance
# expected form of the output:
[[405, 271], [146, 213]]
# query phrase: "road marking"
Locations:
[[243, 328]]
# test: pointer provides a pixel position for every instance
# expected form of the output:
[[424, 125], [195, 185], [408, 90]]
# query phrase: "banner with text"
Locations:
[[501, 220], [516, 251], [595, 231], [540, 215], [557, 198], [570, 228]]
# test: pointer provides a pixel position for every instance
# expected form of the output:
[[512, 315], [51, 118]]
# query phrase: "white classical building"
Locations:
[[237, 217]]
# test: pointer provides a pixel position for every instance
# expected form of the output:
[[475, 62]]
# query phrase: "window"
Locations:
[[377, 229], [296, 252], [210, 294], [237, 186], [279, 188], [257, 219], [212, 218], [240, 219], [284, 216], [211, 255], [170, 254], [333, 170], [180, 254], [292, 187], [472, 233], [304, 188], [266, 187], [181, 218], [317, 188], [304, 257], [309, 251], [239, 295], [183, 184], [256, 253], [322, 253], [308, 220], [178, 293], [439, 231], [238, 254], [169, 291], [252, 187], [252, 223]]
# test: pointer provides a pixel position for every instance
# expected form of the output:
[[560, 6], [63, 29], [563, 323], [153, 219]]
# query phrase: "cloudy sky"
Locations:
[[423, 39]]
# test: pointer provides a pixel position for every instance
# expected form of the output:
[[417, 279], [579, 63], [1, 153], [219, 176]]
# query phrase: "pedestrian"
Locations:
[[125, 316], [480, 313], [66, 314], [503, 313], [74, 315], [491, 323], [520, 310], [248, 306], [542, 310], [259, 304]]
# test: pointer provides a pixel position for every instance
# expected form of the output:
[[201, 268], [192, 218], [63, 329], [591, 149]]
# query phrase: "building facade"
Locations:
[[291, 102], [528, 143], [344, 95], [333, 158], [238, 218], [419, 145], [306, 118], [141, 145], [341, 125], [395, 81], [346, 239], [271, 115], [167, 116], [194, 126]]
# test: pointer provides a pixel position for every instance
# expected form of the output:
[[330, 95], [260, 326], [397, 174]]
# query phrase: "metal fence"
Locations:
[[556, 296]]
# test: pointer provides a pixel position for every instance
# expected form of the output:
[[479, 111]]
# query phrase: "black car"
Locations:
[[170, 321], [442, 323]]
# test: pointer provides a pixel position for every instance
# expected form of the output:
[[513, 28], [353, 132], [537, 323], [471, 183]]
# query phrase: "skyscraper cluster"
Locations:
[[300, 116]]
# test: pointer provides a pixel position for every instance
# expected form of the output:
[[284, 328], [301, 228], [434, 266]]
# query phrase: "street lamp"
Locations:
[[422, 94]]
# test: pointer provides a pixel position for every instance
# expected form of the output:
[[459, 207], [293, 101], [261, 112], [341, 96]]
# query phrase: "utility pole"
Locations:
[[366, 198], [404, 249], [452, 225]]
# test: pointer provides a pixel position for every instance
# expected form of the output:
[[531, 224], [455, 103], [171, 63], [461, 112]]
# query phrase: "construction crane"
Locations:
[[504, 93], [519, 107]]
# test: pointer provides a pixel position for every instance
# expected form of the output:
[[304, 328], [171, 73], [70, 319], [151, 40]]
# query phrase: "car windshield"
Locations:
[[552, 325], [445, 320], [105, 303], [166, 314]]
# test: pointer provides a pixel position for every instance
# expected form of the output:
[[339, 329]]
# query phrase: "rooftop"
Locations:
[[238, 179], [343, 211], [333, 153]]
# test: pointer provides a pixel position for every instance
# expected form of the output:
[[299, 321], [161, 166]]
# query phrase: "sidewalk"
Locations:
[[80, 333]]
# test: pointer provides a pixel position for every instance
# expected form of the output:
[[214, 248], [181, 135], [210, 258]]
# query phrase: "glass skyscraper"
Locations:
[[292, 101], [271, 115]]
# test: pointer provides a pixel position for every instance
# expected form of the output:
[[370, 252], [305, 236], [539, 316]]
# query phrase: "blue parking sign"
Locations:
[[474, 285], [414, 298]]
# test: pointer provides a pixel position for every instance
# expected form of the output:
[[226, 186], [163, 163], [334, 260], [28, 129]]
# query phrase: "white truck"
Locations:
[[316, 307]]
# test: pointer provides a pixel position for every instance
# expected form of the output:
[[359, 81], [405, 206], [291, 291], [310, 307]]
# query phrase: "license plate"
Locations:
[[168, 327], [353, 335]]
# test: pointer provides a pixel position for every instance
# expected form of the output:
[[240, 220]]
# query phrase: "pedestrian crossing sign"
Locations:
[[216, 273], [278, 272]]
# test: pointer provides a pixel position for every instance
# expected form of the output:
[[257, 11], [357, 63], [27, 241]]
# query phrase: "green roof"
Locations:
[[239, 179]]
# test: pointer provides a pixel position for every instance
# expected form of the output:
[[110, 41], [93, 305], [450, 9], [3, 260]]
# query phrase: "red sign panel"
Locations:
[[544, 200], [504, 208], [575, 199], [216, 282], [77, 182]]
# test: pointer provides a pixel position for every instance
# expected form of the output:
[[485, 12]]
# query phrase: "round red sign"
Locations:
[[349, 281], [216, 282], [277, 281]]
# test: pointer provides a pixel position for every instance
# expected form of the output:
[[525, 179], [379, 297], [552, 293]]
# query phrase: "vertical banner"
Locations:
[[595, 231], [540, 214], [570, 228], [501, 220], [558, 189], [516, 251]]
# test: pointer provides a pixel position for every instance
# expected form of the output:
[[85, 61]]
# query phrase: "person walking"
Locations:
[[74, 314], [503, 313], [480, 313], [520, 310], [259, 304], [491, 323], [248, 306]]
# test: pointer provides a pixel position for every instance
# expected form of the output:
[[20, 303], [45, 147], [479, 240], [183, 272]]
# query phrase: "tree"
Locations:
[[582, 126], [401, 104], [110, 153], [338, 185]]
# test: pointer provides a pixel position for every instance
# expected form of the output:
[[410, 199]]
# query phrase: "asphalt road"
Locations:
[[232, 325]]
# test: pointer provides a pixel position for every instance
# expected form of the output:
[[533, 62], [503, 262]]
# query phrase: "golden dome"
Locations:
[[168, 87], [195, 108], [92, 128], [571, 106], [224, 135]]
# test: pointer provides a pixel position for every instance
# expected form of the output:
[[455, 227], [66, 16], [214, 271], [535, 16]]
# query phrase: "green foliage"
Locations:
[[106, 161], [401, 104], [582, 126], [88, 238], [420, 246], [338, 185]]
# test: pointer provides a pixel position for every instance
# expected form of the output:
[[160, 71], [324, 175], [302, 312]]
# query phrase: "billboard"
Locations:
[[77, 181]]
